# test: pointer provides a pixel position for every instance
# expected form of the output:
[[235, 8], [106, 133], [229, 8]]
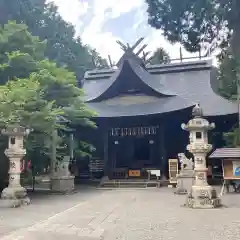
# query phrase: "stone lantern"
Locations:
[[201, 194], [15, 195]]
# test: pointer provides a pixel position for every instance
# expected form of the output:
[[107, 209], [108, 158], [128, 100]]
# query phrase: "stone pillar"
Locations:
[[201, 195], [15, 195]]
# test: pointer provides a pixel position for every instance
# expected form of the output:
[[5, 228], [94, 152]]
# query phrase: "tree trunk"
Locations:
[[54, 152]]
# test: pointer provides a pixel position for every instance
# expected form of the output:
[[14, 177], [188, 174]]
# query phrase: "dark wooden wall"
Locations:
[[168, 142]]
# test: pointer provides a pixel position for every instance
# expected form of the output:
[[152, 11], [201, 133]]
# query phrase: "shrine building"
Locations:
[[140, 108]]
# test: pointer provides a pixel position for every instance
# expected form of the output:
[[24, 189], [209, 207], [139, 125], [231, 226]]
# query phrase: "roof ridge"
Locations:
[[149, 83], [141, 73]]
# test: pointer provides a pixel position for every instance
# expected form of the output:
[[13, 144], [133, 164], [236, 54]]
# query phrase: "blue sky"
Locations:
[[101, 22]]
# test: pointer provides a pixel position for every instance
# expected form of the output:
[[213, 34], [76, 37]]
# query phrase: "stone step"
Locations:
[[128, 184]]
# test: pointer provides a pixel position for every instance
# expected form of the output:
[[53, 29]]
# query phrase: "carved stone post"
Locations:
[[63, 181], [61, 178], [201, 195], [15, 195], [185, 178]]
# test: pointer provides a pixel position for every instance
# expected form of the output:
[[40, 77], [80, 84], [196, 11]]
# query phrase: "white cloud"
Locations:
[[71, 11], [117, 7], [105, 44], [105, 10], [156, 40]]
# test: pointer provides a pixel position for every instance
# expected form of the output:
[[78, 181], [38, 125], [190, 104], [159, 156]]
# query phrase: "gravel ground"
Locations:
[[120, 214]]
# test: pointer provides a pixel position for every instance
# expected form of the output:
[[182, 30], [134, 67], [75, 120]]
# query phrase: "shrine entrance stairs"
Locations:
[[129, 183]]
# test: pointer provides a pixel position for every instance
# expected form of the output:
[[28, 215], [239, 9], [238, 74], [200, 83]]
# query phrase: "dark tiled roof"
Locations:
[[100, 87], [139, 108], [179, 67], [190, 83], [226, 153], [196, 86]]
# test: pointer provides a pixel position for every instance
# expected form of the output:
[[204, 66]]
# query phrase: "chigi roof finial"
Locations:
[[129, 50]]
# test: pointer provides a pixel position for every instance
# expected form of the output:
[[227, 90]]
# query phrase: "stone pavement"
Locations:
[[121, 214]]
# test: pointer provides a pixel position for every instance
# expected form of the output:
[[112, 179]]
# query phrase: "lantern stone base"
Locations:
[[204, 197], [14, 197], [185, 181], [64, 184]]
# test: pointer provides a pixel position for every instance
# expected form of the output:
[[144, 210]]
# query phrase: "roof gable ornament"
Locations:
[[129, 50]]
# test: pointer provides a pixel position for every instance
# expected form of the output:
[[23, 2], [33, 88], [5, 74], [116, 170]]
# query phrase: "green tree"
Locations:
[[98, 61], [23, 11], [194, 23], [197, 22], [34, 91], [44, 21], [22, 102], [60, 86], [227, 74], [19, 51], [160, 56], [232, 138]]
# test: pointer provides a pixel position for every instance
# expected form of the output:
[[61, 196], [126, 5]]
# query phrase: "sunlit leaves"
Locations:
[[36, 92]]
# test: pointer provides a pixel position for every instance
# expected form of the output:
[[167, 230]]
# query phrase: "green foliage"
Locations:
[[232, 138], [19, 52], [29, 10], [98, 61], [193, 22], [59, 86], [22, 102], [160, 56], [82, 149], [14, 37], [35, 92], [14, 97], [227, 74], [44, 21]]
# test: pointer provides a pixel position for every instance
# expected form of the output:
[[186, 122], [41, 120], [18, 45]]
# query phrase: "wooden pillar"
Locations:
[[163, 151], [130, 152], [105, 142], [152, 147]]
